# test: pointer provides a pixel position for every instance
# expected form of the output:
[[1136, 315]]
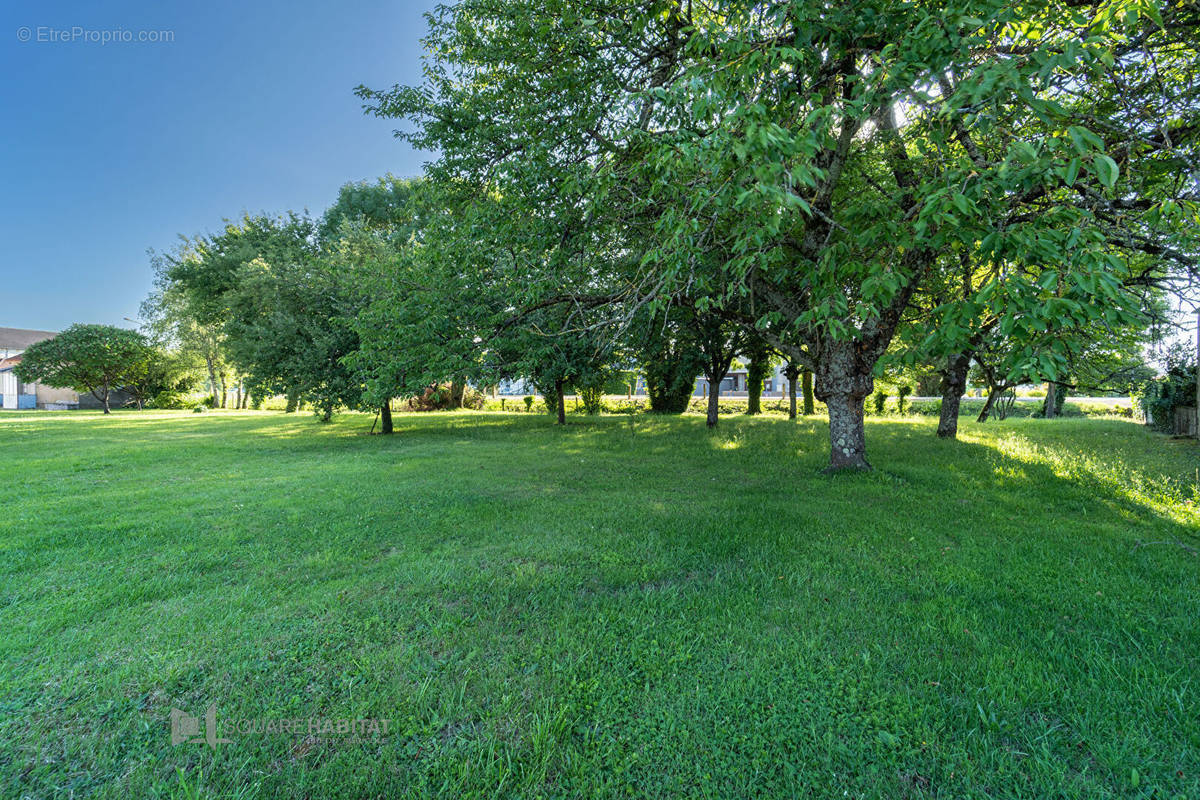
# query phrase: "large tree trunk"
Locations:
[[843, 382], [1049, 405], [714, 398], [807, 386], [293, 401], [562, 403], [457, 388], [954, 386], [104, 400], [385, 416], [1053, 404], [224, 393], [847, 440], [993, 395]]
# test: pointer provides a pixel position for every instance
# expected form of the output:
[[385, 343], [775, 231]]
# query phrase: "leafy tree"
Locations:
[[158, 378], [290, 331], [171, 325], [221, 276], [761, 363], [430, 299], [365, 229], [390, 206], [811, 167], [98, 359], [720, 342], [669, 353], [1175, 388], [555, 347]]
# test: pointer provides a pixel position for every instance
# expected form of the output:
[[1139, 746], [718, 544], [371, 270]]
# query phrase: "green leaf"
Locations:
[[1084, 139], [1072, 171], [1106, 170]]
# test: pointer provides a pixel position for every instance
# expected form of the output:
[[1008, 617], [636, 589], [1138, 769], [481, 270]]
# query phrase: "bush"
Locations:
[[737, 405], [169, 399], [528, 403], [1159, 398], [902, 393], [436, 397], [473, 399], [199, 409], [879, 400], [971, 406], [634, 405], [593, 398]]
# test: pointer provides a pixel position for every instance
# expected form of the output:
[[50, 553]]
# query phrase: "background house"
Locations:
[[735, 384], [17, 395]]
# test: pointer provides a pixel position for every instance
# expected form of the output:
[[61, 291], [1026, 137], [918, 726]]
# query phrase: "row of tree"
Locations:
[[1009, 186]]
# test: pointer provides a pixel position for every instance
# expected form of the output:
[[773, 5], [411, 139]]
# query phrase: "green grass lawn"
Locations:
[[591, 612]]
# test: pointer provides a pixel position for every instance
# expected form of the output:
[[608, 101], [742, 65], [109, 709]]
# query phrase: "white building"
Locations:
[[17, 395]]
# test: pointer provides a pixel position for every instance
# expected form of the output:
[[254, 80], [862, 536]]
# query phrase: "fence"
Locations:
[[1185, 421]]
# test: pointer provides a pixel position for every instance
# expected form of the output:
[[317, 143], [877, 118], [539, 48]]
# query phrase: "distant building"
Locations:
[[735, 384], [518, 386], [17, 395]]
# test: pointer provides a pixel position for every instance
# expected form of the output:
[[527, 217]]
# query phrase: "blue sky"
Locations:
[[109, 149]]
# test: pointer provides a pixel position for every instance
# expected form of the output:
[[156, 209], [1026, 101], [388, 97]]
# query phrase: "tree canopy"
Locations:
[[1005, 187], [807, 170], [96, 359]]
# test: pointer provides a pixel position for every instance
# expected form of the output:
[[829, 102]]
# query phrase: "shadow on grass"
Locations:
[[476, 574]]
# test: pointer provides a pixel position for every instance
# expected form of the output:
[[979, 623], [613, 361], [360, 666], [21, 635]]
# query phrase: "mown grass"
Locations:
[[595, 611]]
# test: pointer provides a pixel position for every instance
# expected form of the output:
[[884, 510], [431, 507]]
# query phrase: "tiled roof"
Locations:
[[20, 338]]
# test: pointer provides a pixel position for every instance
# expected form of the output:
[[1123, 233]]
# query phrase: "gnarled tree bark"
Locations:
[[954, 386], [993, 395], [843, 382]]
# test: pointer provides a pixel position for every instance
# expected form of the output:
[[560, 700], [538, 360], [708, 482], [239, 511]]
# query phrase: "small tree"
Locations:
[[87, 358], [720, 342], [761, 362], [159, 377], [670, 358]]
